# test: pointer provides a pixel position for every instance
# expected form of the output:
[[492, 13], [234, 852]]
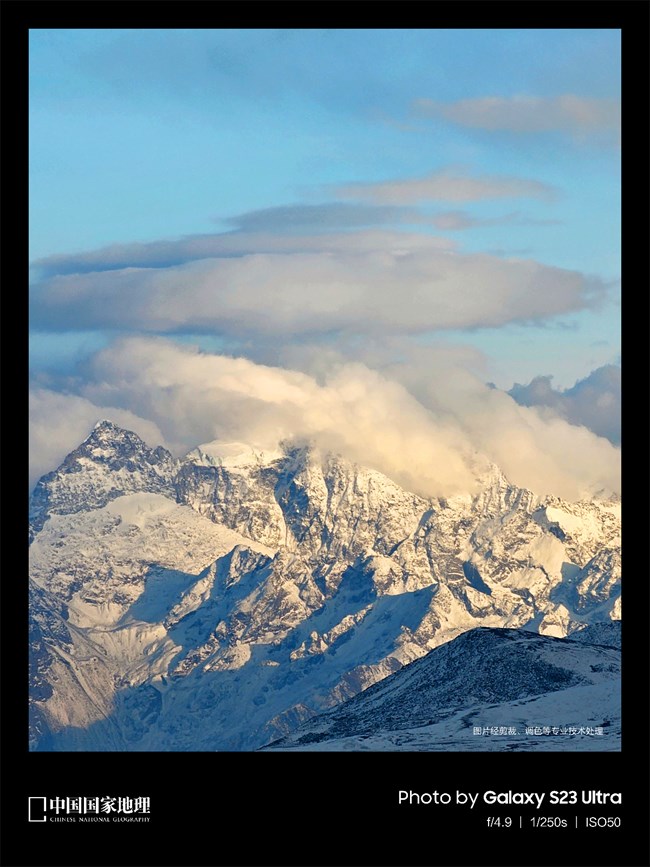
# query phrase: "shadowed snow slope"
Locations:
[[490, 679]]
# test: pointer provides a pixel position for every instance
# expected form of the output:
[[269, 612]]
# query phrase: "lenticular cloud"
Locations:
[[378, 284]]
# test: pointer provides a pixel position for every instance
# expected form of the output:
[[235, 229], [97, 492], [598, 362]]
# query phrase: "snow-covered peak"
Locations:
[[110, 462], [219, 453], [107, 425], [113, 439]]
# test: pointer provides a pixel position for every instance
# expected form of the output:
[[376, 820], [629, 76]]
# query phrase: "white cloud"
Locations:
[[390, 284], [447, 186], [199, 397], [191, 248], [544, 453], [434, 445], [569, 113]]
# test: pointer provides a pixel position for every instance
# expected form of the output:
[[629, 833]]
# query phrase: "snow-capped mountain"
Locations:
[[110, 463], [219, 601], [488, 689]]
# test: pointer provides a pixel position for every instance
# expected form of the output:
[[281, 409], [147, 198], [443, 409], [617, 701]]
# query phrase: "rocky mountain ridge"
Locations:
[[487, 689]]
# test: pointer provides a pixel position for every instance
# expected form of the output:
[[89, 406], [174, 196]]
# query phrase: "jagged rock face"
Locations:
[[324, 507], [251, 594], [111, 462], [240, 498]]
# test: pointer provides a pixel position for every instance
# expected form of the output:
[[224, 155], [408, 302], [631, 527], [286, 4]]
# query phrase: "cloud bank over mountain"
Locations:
[[436, 447]]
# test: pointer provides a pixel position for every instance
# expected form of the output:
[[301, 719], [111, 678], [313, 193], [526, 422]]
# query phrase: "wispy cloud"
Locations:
[[448, 186], [347, 215], [460, 220], [575, 115], [192, 248], [322, 216], [324, 226]]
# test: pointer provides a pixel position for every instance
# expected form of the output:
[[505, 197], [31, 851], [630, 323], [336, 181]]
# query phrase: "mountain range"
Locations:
[[235, 599]]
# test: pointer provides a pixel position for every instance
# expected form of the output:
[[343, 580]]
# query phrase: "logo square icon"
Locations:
[[37, 809]]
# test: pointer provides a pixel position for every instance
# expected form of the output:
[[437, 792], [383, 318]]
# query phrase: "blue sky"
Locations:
[[166, 160], [141, 135]]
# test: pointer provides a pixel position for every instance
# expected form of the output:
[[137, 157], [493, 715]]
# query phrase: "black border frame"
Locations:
[[345, 805]]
